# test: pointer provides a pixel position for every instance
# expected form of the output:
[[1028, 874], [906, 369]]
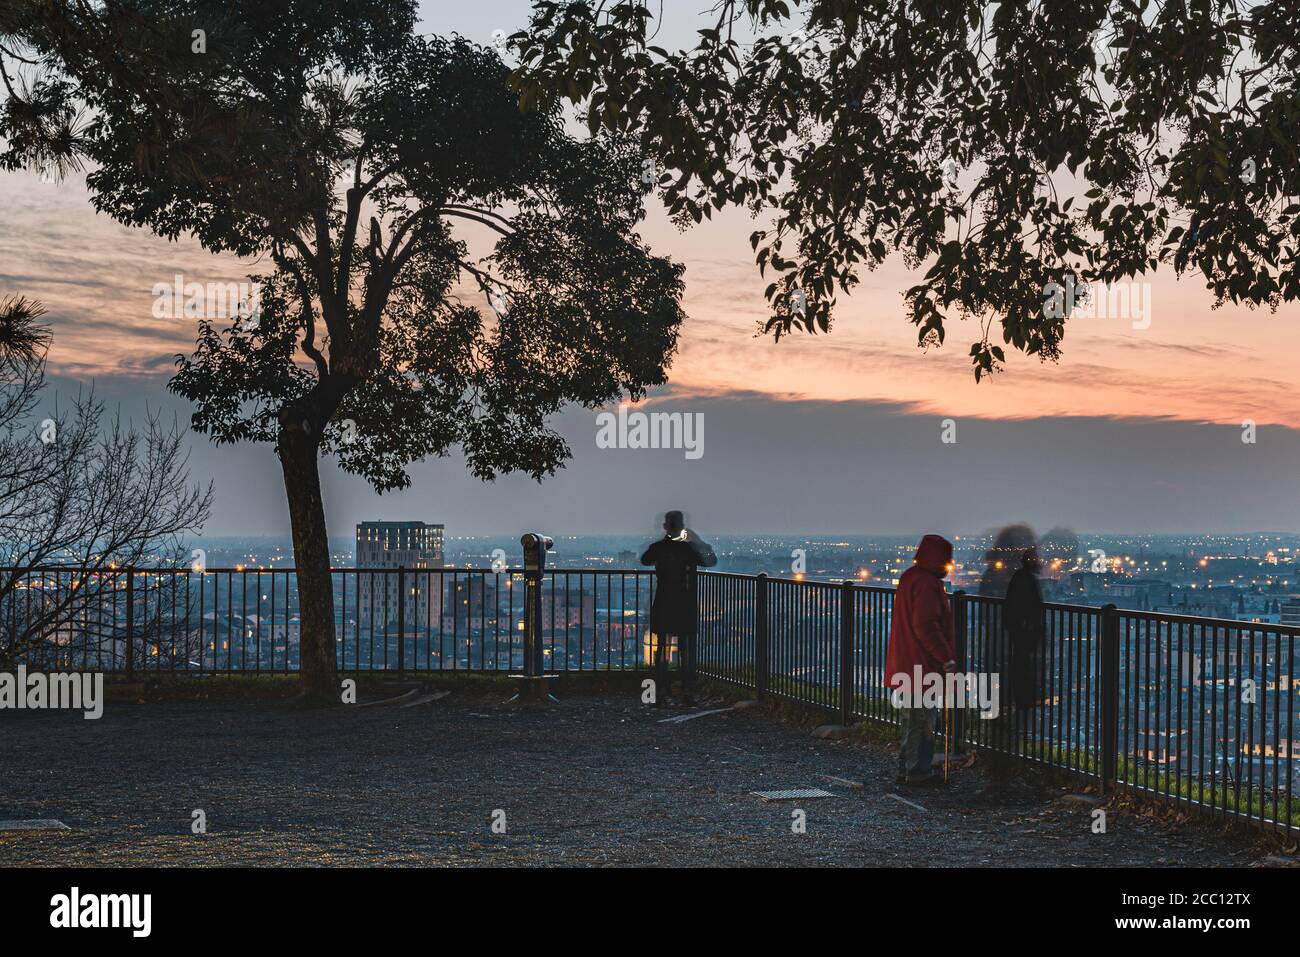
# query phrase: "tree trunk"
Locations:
[[299, 460]]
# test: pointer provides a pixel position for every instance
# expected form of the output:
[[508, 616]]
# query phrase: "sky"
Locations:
[[1137, 428]]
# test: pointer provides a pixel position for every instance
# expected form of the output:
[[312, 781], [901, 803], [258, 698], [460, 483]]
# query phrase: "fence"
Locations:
[[1198, 711], [245, 620]]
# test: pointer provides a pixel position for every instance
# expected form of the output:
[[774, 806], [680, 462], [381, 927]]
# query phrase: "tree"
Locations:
[[38, 116], [79, 491], [1005, 146], [353, 158]]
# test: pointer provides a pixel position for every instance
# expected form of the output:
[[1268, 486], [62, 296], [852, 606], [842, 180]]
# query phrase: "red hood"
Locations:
[[934, 554]]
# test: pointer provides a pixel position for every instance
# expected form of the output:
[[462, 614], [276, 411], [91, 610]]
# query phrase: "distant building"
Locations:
[[397, 544], [1289, 612], [414, 546], [1198, 607], [469, 602]]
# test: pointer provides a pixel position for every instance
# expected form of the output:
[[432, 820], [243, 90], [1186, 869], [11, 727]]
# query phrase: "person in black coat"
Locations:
[[673, 612], [1022, 621]]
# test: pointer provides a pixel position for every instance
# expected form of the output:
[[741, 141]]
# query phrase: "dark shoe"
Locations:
[[900, 778], [928, 781]]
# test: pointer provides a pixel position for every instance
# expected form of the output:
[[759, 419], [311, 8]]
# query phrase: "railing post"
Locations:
[[1108, 696], [846, 652], [959, 636], [401, 621], [130, 623], [760, 634]]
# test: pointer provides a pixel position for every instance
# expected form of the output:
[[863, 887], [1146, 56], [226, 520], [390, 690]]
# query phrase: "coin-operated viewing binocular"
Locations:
[[536, 546], [534, 679]]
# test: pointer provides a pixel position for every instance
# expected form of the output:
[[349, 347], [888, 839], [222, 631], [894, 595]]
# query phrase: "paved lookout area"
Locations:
[[594, 780]]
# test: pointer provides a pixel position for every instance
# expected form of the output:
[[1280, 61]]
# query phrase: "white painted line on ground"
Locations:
[[679, 718], [383, 702], [843, 782], [903, 800], [425, 699], [43, 824]]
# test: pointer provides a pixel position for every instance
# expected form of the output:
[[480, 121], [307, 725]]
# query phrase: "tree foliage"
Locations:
[[1001, 147], [343, 158]]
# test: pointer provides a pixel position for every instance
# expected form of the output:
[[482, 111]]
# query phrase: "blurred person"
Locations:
[[1003, 558], [674, 610], [920, 644], [1022, 623], [993, 654]]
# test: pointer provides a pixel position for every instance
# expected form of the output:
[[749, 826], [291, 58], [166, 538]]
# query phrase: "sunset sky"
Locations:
[[1134, 429]]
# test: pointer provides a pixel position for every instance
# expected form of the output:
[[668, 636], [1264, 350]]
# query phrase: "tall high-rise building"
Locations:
[[415, 546]]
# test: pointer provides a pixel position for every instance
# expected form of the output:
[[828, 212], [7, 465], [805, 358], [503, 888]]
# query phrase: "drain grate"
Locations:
[[793, 794]]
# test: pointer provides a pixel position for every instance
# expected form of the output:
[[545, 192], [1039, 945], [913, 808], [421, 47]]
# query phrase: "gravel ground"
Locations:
[[592, 780]]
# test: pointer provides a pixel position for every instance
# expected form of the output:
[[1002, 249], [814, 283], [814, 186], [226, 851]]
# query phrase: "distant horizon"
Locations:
[[771, 534]]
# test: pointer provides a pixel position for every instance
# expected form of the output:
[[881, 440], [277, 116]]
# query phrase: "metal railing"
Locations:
[[246, 620], [1198, 711]]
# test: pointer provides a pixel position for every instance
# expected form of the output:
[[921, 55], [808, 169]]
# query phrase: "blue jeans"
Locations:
[[915, 741]]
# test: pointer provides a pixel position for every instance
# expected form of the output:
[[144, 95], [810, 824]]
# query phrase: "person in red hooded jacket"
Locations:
[[920, 637]]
